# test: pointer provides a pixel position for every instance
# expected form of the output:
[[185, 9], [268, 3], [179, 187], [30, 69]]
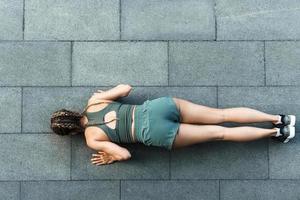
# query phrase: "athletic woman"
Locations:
[[166, 122]]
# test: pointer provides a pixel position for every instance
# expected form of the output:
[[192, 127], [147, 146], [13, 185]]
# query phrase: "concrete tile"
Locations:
[[257, 20], [34, 157], [75, 190], [41, 102], [110, 63], [248, 160], [10, 190], [185, 189], [216, 63], [266, 99], [10, 112], [198, 95], [283, 63], [11, 23], [145, 163], [259, 189], [72, 20], [283, 160], [168, 20], [35, 64]]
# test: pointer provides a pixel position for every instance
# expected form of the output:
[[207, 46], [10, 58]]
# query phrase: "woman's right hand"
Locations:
[[102, 158]]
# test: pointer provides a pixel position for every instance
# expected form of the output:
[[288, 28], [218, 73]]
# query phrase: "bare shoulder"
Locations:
[[97, 107], [95, 133]]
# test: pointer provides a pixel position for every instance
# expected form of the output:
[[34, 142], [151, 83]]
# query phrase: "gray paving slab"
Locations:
[[111, 63], [167, 20], [11, 23], [145, 163], [169, 189], [216, 63], [10, 110], [259, 189], [283, 63], [283, 158], [35, 64], [34, 157], [75, 190], [221, 160], [10, 190], [257, 20], [40, 102], [72, 20]]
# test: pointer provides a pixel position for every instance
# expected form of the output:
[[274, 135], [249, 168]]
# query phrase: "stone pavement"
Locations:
[[223, 53]]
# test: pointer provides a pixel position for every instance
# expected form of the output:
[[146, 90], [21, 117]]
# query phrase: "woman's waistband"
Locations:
[[141, 122]]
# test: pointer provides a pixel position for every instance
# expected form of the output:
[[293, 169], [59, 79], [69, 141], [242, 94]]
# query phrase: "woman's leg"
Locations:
[[193, 113], [189, 134]]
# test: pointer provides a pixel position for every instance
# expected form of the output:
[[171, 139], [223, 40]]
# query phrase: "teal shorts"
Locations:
[[157, 122]]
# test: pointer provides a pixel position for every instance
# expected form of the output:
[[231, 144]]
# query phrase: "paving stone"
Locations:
[[72, 20], [40, 102], [35, 64], [168, 20], [259, 189], [10, 190], [282, 63], [145, 163], [34, 157], [207, 160], [75, 190], [283, 160], [183, 189], [109, 63], [266, 99], [216, 63], [10, 110], [257, 20], [11, 23]]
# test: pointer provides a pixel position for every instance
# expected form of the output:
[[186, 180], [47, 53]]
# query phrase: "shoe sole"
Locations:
[[293, 120], [292, 134]]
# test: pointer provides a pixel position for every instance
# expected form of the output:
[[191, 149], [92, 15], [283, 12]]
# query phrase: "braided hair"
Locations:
[[64, 122]]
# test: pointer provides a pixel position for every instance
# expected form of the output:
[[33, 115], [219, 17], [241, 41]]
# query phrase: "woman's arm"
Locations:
[[120, 90], [112, 151]]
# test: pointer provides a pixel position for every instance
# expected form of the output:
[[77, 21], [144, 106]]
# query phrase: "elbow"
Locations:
[[125, 156]]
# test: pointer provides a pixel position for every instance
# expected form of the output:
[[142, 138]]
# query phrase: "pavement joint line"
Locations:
[[114, 40], [71, 157], [137, 180], [268, 149], [219, 184], [120, 189], [217, 96], [71, 62], [168, 55], [23, 21], [264, 56], [20, 190], [120, 19], [163, 86], [215, 16], [22, 106]]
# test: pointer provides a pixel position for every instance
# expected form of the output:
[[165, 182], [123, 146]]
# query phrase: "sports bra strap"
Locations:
[[101, 101]]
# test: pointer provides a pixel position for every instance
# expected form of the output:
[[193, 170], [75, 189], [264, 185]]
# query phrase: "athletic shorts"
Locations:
[[157, 122]]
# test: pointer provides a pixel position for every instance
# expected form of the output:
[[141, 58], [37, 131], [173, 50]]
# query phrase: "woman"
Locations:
[[166, 122]]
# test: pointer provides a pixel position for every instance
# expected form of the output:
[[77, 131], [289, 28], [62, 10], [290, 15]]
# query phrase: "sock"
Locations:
[[278, 132], [279, 121]]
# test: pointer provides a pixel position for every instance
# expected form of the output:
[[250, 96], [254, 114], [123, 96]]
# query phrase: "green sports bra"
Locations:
[[122, 131]]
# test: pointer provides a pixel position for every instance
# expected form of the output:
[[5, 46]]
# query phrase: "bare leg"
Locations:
[[189, 134], [196, 114]]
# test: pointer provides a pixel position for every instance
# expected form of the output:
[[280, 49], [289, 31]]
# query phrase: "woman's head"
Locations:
[[65, 122]]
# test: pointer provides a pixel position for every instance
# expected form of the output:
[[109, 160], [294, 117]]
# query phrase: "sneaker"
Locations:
[[285, 134], [286, 120]]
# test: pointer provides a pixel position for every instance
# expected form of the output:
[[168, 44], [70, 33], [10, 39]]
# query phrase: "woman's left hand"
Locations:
[[102, 158]]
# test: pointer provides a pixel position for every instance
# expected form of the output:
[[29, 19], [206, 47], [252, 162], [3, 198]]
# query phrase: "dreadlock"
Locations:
[[64, 122]]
